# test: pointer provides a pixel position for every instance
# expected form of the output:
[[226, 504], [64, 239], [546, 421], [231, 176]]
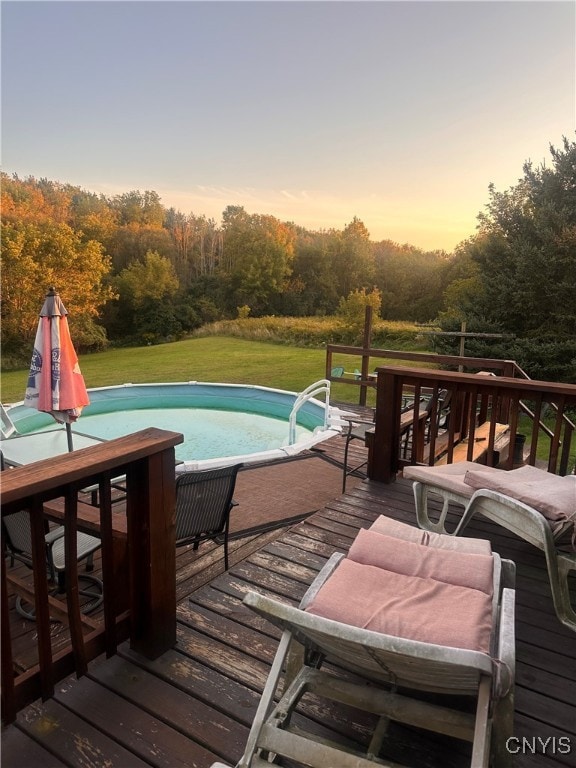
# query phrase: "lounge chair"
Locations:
[[204, 500], [7, 426], [402, 618], [536, 505]]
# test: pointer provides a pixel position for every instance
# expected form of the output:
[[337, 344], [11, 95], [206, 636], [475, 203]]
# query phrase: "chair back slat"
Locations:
[[17, 530], [203, 501]]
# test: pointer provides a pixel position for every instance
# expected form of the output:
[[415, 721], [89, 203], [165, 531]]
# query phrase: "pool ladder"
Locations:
[[307, 394]]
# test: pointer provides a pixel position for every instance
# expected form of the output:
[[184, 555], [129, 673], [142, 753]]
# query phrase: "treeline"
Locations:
[[132, 271]]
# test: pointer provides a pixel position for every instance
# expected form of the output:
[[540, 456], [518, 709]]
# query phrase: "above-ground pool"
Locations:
[[221, 423]]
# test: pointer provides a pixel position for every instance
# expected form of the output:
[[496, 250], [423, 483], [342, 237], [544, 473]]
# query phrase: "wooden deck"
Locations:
[[195, 703]]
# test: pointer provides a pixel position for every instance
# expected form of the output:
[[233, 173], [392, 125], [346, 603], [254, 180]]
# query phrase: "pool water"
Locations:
[[208, 433], [220, 423]]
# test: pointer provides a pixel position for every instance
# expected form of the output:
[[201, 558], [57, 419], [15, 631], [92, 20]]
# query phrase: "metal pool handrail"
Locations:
[[323, 385]]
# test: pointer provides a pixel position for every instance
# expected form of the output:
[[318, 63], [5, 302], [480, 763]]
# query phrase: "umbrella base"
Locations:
[[91, 594]]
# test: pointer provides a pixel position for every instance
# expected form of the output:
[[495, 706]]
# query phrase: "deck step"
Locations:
[[480, 446]]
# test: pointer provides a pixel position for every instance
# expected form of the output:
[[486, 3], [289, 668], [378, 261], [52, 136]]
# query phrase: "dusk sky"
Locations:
[[399, 113]]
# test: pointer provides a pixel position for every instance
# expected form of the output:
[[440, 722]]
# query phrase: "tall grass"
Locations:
[[318, 331]]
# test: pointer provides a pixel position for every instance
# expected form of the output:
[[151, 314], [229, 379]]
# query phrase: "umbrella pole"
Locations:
[[69, 437]]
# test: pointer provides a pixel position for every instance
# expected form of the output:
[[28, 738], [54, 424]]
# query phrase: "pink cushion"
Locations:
[[459, 568], [449, 477], [394, 604], [552, 495], [390, 527]]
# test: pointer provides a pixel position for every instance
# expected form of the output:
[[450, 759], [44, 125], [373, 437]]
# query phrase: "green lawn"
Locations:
[[213, 358]]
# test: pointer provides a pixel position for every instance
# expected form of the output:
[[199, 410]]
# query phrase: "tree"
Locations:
[[145, 310], [352, 258], [198, 245], [35, 201], [525, 254], [412, 281], [258, 253], [138, 207], [352, 310], [93, 216], [526, 249], [131, 243], [312, 289], [37, 256]]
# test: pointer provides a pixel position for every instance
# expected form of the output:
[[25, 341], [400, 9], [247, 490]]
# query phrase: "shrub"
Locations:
[[316, 332]]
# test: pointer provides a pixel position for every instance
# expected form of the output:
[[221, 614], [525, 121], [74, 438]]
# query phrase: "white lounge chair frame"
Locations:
[[391, 662], [519, 518], [530, 525], [8, 427]]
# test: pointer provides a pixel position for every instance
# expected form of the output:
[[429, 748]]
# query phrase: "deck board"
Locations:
[[195, 703]]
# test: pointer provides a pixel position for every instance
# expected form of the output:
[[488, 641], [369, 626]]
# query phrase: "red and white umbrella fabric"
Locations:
[[55, 384]]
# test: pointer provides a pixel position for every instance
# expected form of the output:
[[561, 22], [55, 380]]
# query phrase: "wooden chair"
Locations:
[[389, 674], [204, 500], [535, 505]]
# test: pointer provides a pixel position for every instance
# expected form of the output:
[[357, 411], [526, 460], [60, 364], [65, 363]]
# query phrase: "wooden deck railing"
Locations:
[[369, 356], [139, 587], [478, 406]]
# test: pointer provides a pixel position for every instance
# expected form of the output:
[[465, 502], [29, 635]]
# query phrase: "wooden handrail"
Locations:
[[139, 602], [83, 465], [365, 382], [493, 399], [505, 367]]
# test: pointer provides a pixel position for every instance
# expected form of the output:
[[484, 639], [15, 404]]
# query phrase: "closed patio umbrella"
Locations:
[[55, 384]]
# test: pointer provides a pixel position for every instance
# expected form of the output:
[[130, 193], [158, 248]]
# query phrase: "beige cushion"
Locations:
[[449, 477], [410, 559], [400, 530], [553, 496], [406, 606]]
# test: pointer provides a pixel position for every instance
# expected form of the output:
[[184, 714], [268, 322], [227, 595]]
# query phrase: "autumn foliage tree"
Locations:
[[36, 256], [257, 257]]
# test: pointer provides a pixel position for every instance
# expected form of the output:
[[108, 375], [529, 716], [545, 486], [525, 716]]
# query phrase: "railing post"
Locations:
[[151, 505], [367, 340], [384, 448], [329, 363], [9, 708]]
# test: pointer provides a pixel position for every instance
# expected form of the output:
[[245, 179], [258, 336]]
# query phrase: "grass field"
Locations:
[[212, 359]]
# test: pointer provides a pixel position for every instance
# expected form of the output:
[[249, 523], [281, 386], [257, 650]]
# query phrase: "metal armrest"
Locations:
[[54, 535]]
